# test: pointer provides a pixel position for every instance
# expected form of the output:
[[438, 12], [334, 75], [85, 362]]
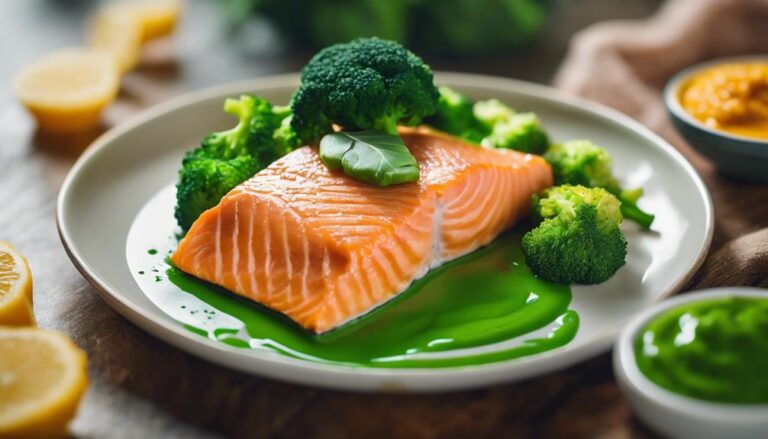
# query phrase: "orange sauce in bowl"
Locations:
[[730, 97]]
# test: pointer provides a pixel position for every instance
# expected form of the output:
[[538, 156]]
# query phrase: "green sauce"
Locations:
[[716, 350], [486, 297]]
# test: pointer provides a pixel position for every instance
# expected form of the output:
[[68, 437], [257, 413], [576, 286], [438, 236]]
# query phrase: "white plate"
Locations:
[[127, 166]]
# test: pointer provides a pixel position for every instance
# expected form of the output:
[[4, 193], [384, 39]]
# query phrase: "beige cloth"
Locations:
[[624, 64]]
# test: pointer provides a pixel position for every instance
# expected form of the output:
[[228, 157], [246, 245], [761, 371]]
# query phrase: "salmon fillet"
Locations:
[[324, 249]]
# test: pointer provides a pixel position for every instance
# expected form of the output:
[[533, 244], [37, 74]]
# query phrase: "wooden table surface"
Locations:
[[144, 388]]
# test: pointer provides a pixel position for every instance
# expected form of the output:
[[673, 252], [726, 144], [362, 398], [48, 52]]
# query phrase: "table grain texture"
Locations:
[[144, 388]]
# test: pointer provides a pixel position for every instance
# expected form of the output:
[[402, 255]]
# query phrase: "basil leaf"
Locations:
[[370, 156]]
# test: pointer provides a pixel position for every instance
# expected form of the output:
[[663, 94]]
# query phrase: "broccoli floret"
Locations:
[[284, 137], [227, 158], [255, 124], [368, 83], [582, 162], [490, 123], [578, 240], [455, 115], [522, 131], [492, 111], [509, 129], [204, 181]]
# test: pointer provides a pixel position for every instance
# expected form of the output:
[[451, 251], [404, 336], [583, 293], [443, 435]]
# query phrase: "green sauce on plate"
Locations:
[[716, 350], [447, 318]]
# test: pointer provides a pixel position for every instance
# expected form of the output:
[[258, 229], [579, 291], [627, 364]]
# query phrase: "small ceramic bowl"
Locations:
[[738, 156], [675, 415]]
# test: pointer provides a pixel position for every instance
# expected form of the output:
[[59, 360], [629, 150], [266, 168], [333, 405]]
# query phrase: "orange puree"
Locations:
[[730, 97]]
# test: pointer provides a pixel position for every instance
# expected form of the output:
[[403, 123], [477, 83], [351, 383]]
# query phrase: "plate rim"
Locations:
[[354, 378]]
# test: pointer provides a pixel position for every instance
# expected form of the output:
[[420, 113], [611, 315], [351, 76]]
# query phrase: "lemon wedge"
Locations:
[[117, 31], [42, 379], [158, 17], [67, 91], [15, 288]]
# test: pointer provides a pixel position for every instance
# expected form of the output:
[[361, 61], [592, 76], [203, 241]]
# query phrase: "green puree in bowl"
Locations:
[[716, 350], [483, 298]]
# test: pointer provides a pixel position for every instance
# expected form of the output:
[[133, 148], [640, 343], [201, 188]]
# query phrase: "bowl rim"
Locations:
[[671, 101], [636, 382]]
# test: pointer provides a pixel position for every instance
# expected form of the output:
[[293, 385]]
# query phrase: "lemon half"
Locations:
[[15, 288], [66, 91], [42, 379], [158, 17]]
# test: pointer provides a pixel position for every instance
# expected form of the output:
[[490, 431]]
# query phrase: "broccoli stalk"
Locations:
[[581, 162], [578, 239], [225, 159], [368, 83]]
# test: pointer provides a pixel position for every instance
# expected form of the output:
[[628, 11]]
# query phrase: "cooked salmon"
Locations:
[[324, 249]]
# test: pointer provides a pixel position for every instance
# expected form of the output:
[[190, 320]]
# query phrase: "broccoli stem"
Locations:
[[389, 125], [239, 108], [630, 210], [235, 137]]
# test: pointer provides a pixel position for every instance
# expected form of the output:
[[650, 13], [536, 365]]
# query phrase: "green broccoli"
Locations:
[[522, 131], [578, 240], [490, 123], [509, 129], [492, 111], [284, 137], [260, 131], [227, 158], [368, 83], [582, 162], [455, 115], [204, 181]]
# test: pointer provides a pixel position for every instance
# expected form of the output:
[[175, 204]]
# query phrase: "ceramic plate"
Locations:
[[124, 169]]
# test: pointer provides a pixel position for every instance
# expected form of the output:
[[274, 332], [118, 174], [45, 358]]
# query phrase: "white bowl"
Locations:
[[675, 415]]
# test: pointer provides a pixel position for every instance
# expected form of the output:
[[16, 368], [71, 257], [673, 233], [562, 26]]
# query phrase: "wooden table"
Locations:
[[142, 387]]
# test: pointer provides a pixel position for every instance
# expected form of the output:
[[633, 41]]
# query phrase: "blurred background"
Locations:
[[223, 40]]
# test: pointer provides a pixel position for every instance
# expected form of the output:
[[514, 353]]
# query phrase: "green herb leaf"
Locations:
[[370, 156]]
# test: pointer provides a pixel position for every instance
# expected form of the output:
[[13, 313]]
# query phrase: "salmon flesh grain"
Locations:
[[324, 249]]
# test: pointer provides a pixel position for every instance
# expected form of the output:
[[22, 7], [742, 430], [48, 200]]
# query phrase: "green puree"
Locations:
[[715, 350], [486, 297]]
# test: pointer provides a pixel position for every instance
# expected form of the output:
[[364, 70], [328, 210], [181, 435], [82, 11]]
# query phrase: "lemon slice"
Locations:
[[15, 288], [158, 17], [42, 378], [119, 32], [67, 91]]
